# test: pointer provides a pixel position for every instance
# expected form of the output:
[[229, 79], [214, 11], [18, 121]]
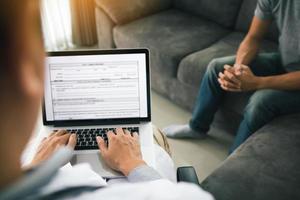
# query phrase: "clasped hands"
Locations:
[[238, 78]]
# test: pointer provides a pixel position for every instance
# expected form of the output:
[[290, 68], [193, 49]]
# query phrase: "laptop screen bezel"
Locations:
[[87, 122]]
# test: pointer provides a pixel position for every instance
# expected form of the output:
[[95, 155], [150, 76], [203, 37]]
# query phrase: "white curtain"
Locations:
[[57, 28]]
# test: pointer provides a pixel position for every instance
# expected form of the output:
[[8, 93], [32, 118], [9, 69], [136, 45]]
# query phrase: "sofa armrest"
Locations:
[[124, 11], [105, 27], [187, 174]]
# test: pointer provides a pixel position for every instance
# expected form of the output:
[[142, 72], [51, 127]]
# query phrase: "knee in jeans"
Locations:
[[256, 113], [215, 67], [251, 113]]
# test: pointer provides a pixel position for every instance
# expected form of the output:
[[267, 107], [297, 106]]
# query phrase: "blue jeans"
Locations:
[[263, 106]]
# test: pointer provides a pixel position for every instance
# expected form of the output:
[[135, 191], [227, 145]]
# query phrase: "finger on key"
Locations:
[[60, 133], [72, 141], [119, 131], [127, 132], [110, 134], [52, 134], [64, 139], [102, 145], [135, 135]]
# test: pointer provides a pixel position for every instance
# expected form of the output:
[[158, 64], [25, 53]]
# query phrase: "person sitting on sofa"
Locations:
[[21, 85], [275, 77]]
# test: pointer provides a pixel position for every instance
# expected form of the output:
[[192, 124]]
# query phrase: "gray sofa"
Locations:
[[183, 37], [265, 167]]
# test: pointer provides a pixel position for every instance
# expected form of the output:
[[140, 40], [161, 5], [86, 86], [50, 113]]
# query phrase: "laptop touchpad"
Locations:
[[97, 164]]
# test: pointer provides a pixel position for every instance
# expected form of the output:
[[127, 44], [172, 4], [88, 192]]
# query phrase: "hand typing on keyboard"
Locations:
[[120, 148], [86, 138], [123, 152], [50, 144]]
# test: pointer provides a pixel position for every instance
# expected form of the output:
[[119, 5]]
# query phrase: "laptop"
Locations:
[[92, 92]]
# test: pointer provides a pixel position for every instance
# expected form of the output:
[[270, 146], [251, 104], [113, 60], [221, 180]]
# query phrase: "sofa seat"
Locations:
[[266, 166], [170, 35]]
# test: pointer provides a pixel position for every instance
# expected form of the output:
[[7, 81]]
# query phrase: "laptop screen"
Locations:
[[96, 85]]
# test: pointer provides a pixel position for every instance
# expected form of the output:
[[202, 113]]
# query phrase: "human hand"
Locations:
[[123, 152], [246, 80], [229, 80], [52, 143]]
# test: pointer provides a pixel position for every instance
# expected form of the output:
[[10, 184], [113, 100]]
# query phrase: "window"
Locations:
[[57, 28]]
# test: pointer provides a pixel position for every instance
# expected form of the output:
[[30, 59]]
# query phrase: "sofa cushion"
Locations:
[[193, 67], [266, 166], [219, 11], [128, 10], [170, 36], [245, 18]]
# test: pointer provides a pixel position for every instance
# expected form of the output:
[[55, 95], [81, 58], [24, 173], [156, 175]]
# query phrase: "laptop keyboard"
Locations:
[[86, 138]]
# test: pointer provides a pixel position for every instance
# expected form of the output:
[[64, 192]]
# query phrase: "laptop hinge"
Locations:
[[95, 123]]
